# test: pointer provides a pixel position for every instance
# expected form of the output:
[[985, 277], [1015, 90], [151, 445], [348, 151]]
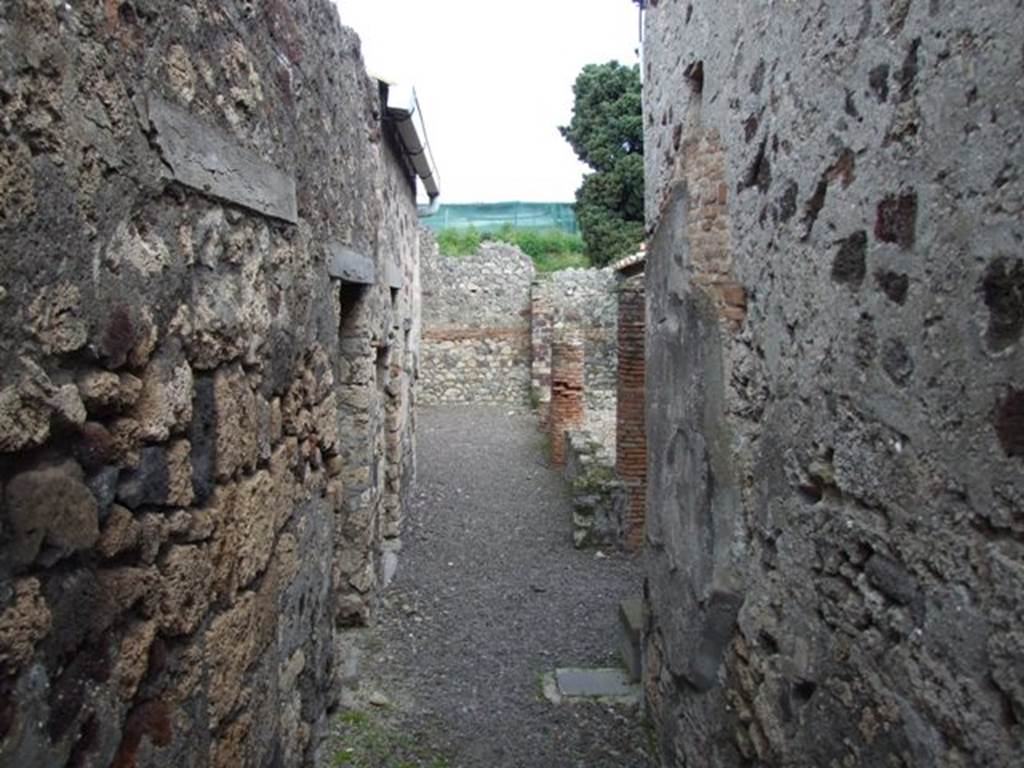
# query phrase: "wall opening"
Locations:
[[695, 78], [358, 440], [351, 297]]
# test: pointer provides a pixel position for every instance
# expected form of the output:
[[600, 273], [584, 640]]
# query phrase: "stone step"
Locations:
[[604, 684]]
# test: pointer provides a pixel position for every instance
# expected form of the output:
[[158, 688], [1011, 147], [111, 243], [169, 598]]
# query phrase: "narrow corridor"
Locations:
[[489, 595]]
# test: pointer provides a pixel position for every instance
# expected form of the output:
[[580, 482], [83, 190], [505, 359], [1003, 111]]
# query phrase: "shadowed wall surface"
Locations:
[[835, 529], [205, 436]]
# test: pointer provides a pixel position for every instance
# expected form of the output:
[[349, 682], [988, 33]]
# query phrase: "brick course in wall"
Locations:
[[630, 432], [703, 167]]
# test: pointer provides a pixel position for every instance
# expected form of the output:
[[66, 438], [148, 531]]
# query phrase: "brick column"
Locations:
[[630, 432], [566, 409]]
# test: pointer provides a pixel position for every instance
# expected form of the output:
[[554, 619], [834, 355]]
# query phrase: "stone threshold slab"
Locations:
[[609, 684]]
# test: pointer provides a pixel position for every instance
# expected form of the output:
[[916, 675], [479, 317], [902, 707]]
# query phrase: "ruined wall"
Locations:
[[835, 540], [489, 321], [583, 299], [204, 438], [597, 494], [476, 326]]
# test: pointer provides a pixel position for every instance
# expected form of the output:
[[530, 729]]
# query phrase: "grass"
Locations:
[[539, 686], [458, 242], [550, 250], [367, 741], [547, 264], [651, 732]]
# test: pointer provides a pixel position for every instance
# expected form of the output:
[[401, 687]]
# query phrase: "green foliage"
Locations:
[[369, 742], [606, 132], [607, 121], [556, 263], [458, 242], [551, 250]]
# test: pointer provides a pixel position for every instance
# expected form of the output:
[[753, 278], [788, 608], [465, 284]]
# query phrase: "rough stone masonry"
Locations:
[[835, 382], [476, 318], [208, 284], [489, 321]]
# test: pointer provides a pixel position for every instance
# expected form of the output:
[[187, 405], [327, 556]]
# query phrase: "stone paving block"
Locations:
[[574, 682]]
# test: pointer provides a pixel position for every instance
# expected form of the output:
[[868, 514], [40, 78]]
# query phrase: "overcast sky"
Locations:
[[494, 82]]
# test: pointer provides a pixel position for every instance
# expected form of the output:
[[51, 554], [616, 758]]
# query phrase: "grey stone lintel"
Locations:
[[392, 275], [349, 265], [203, 158]]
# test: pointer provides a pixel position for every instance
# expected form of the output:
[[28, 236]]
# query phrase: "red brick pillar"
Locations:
[[566, 409], [630, 432]]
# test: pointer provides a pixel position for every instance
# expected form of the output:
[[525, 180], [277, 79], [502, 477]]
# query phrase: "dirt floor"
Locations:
[[489, 595]]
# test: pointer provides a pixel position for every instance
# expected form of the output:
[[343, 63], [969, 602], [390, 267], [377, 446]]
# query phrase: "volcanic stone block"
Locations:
[[165, 403], [54, 506], [231, 645], [163, 478], [25, 410], [237, 424], [103, 390], [103, 485], [56, 319], [133, 657], [22, 624], [121, 533], [148, 482], [185, 589]]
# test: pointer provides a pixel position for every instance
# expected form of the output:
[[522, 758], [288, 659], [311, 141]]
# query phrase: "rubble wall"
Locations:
[[489, 321], [476, 326], [835, 382], [585, 299], [204, 437]]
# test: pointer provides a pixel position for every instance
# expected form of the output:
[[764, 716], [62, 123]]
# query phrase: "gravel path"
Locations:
[[489, 595]]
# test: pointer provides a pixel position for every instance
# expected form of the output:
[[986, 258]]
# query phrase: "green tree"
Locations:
[[606, 132]]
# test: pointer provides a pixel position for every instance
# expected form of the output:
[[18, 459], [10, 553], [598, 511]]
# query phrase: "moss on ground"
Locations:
[[366, 739]]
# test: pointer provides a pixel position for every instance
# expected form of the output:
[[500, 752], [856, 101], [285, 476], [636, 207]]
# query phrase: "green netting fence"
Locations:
[[490, 217]]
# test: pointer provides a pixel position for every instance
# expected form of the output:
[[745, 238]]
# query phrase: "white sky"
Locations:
[[494, 80]]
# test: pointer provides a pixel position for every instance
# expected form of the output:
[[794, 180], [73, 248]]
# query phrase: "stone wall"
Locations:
[[489, 321], [583, 299], [204, 438], [835, 540], [598, 496], [476, 326]]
